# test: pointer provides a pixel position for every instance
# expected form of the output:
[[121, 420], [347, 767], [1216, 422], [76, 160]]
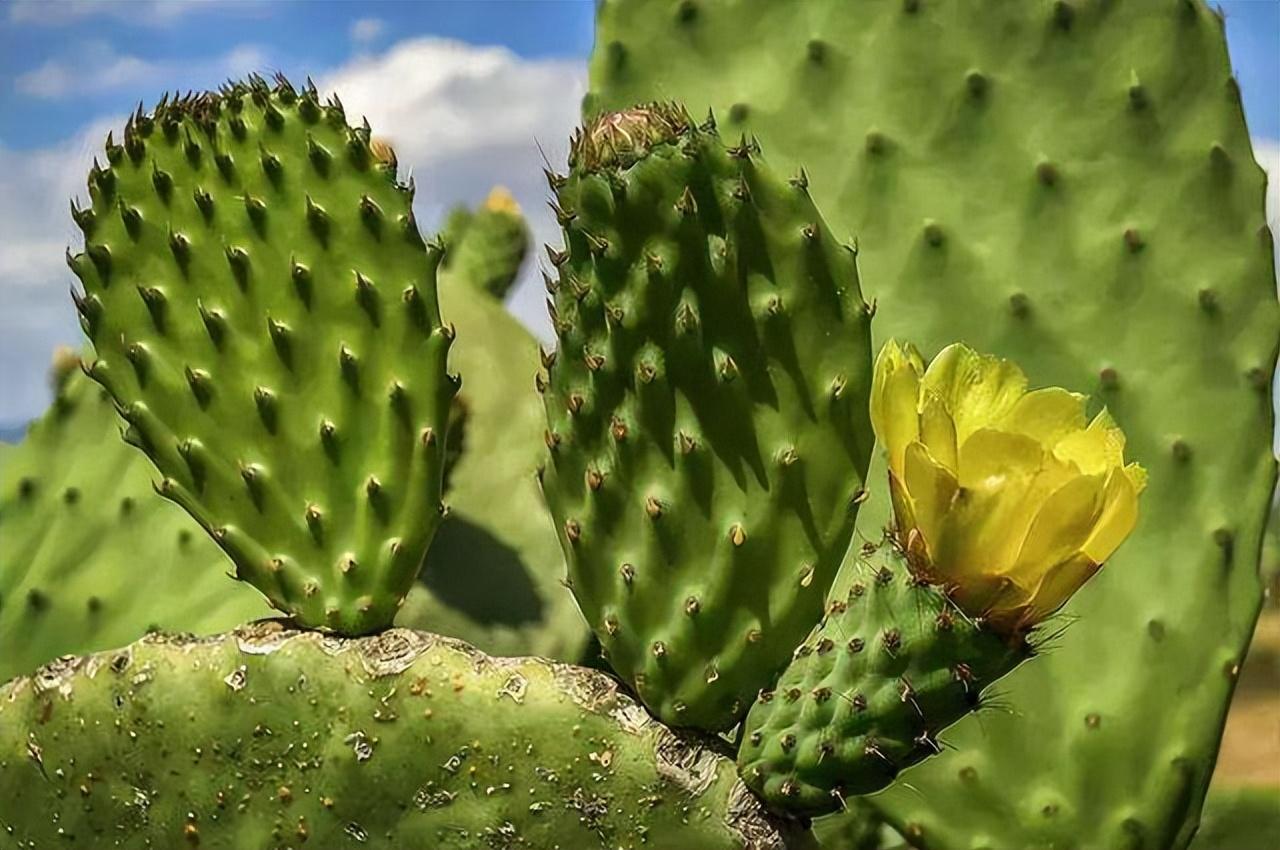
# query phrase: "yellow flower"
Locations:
[[1003, 496]]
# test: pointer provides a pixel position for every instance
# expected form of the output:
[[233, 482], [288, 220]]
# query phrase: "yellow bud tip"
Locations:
[[1004, 495], [65, 361], [382, 150], [501, 201]]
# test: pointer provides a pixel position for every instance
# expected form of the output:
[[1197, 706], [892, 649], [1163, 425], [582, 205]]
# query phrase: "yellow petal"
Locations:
[[904, 508], [895, 394], [1097, 448], [1119, 516], [1137, 477], [978, 390], [1064, 522], [1047, 415], [932, 488], [938, 431], [997, 598], [991, 512], [1058, 585]]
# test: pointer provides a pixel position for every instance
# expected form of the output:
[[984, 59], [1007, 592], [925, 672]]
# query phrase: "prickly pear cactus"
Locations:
[[76, 513], [1069, 184], [892, 663], [486, 248], [706, 408], [264, 312], [266, 737]]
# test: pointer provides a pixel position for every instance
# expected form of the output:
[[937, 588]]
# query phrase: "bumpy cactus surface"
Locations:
[[1068, 184], [893, 663], [264, 312], [76, 511], [706, 408], [269, 737]]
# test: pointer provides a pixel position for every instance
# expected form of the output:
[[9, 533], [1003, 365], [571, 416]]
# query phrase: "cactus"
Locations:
[[486, 248], [269, 737], [892, 664], [76, 512], [71, 587], [1005, 503], [858, 827], [706, 408], [1069, 184], [510, 538], [709, 414], [264, 313]]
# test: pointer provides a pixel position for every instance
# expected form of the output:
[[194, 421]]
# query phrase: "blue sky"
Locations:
[[460, 86]]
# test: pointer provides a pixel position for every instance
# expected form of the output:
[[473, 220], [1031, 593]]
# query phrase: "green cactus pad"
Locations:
[[707, 409], [891, 665], [858, 827], [77, 518], [487, 247], [1069, 184], [264, 313], [271, 738]]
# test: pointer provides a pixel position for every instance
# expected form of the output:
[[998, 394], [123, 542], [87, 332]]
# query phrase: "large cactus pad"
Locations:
[[1068, 184], [271, 738]]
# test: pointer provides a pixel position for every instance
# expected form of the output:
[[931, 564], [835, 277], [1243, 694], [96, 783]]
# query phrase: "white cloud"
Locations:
[[366, 30], [34, 282], [465, 118], [1267, 152], [96, 67], [148, 13]]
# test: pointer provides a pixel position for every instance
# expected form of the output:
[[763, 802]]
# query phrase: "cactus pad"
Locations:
[[272, 738], [706, 405], [892, 664], [264, 312], [1067, 183], [486, 248]]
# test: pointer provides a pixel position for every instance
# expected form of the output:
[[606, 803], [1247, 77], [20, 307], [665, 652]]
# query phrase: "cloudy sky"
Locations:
[[468, 91]]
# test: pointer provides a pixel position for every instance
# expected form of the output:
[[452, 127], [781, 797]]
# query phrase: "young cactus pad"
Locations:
[[1005, 503], [892, 664], [1068, 183], [271, 738], [706, 407], [264, 313], [487, 247]]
